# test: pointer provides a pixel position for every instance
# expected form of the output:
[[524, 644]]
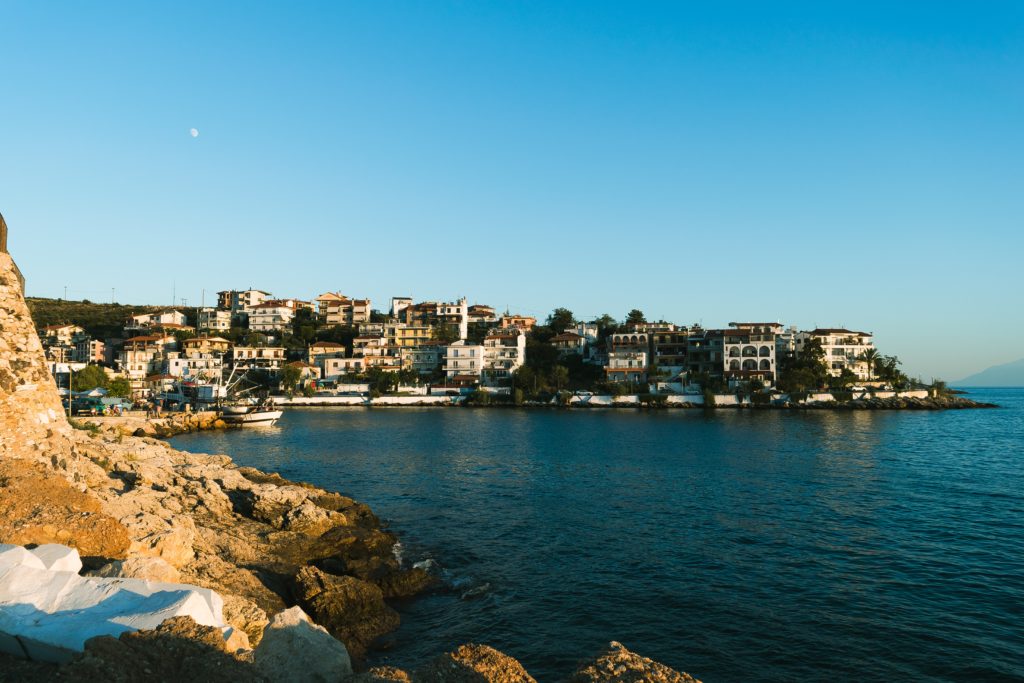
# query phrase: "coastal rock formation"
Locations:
[[619, 665], [136, 509], [473, 664], [291, 632], [353, 611], [48, 611]]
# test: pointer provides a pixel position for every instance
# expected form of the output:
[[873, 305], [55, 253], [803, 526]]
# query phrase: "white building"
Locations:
[[844, 349], [455, 314], [588, 331], [214, 319], [333, 368], [269, 358], [749, 352], [626, 366], [337, 309], [237, 302], [399, 304], [207, 368], [423, 359], [462, 359], [272, 316], [504, 353]]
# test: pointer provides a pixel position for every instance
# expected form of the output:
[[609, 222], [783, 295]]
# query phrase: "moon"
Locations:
[[194, 132]]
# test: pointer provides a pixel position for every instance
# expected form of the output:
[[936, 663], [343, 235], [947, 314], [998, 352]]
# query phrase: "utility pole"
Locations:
[[65, 292]]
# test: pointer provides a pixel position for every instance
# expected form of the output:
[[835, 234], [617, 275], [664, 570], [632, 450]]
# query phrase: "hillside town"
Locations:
[[340, 344]]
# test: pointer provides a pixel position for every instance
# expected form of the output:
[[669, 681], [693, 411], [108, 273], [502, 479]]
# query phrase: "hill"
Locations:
[[99, 320], [1005, 375]]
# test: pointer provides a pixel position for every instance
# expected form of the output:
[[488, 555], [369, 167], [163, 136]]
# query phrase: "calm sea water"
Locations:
[[738, 546]]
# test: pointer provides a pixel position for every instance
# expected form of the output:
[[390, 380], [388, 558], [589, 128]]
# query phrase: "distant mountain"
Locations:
[[1005, 375]]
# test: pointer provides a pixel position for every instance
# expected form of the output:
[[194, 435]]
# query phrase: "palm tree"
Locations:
[[869, 356]]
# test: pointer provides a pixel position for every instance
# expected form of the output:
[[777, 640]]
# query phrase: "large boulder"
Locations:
[[177, 650], [353, 611], [618, 665], [39, 507], [473, 664], [290, 638]]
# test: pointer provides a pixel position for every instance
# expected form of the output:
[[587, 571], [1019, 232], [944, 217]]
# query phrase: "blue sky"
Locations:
[[839, 163]]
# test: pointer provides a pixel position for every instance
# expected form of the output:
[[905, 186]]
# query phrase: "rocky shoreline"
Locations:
[[132, 424], [133, 507]]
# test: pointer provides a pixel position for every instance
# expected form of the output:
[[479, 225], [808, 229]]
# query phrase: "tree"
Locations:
[[805, 370], [119, 387], [560, 377], [89, 377], [304, 326], [870, 356], [560, 320], [606, 325], [635, 317], [444, 334], [290, 377]]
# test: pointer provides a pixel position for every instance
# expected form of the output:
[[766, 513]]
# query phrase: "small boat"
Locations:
[[251, 414]]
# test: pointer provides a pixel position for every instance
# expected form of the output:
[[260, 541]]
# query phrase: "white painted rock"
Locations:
[[58, 558], [16, 556], [286, 652], [47, 615]]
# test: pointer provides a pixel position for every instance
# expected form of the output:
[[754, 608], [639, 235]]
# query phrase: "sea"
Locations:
[[734, 545]]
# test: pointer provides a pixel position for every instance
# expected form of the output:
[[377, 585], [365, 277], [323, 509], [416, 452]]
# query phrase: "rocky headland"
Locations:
[[134, 507]]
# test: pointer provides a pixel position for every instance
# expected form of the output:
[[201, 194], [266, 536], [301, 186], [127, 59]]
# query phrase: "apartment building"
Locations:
[[337, 309], [424, 359], [844, 349], [462, 359], [626, 366], [749, 352], [270, 358], [214, 320], [504, 353]]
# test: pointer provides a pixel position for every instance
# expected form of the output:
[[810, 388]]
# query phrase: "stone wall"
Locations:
[[30, 408]]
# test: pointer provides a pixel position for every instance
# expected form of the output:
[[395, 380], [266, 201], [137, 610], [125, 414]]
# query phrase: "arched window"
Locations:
[[766, 364], [734, 352], [634, 339], [734, 365], [750, 364], [749, 351], [765, 351]]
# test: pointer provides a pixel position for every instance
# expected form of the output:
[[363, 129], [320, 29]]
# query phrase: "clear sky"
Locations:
[[819, 163]]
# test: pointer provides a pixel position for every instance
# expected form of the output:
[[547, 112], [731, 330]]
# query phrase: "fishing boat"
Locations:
[[248, 411], [255, 414]]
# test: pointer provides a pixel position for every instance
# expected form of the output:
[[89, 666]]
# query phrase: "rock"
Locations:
[[149, 568], [619, 665], [290, 638], [381, 674], [177, 650], [406, 583], [53, 613], [246, 616], [39, 507], [58, 558], [352, 610], [17, 556], [473, 664], [311, 519]]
